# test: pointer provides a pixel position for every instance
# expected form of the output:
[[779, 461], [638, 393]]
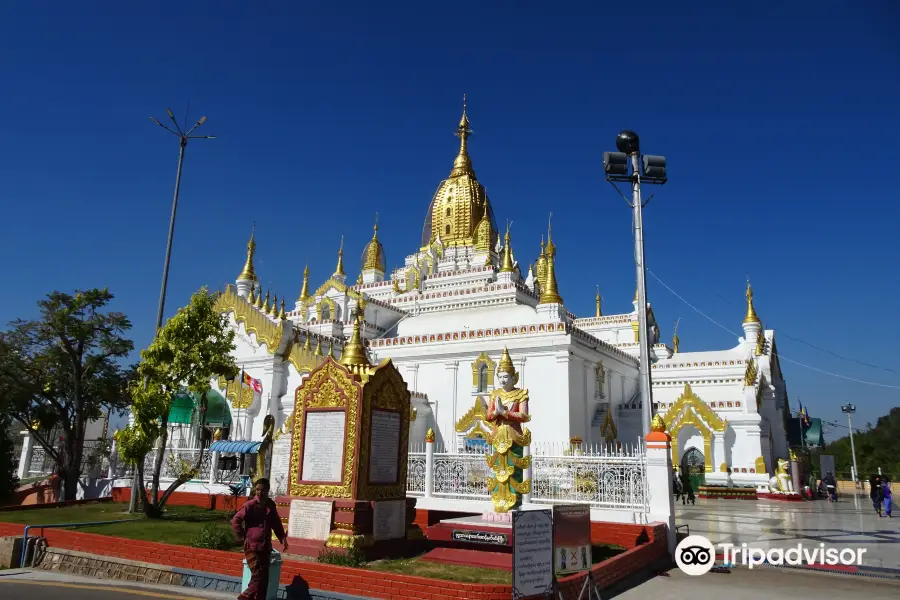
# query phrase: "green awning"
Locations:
[[182, 410], [217, 412], [185, 405]]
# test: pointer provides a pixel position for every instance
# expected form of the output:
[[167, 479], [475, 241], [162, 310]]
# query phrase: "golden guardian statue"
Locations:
[[507, 411]]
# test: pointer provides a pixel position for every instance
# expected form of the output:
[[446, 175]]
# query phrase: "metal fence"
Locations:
[[602, 476]]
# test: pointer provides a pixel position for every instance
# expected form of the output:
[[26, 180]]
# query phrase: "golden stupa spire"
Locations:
[[304, 291], [550, 248], [374, 254], [274, 311], [307, 345], [463, 164], [675, 339], [318, 351], [354, 353], [598, 300], [506, 266], [266, 307], [252, 298], [550, 291], [540, 267], [259, 299], [340, 265], [249, 273], [751, 316], [282, 314]]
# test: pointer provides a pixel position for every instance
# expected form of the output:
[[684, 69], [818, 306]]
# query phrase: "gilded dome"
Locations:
[[460, 202]]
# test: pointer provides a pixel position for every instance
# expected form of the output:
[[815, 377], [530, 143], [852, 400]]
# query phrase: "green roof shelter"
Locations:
[[184, 409]]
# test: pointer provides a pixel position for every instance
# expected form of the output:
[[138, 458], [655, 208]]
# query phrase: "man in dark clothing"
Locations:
[[830, 486], [253, 525]]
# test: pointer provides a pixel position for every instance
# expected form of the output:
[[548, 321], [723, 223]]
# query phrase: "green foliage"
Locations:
[[191, 350], [8, 461], [352, 558], [214, 537], [877, 447], [62, 370]]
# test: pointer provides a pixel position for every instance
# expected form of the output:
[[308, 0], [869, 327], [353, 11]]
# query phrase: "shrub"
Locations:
[[214, 537], [352, 558]]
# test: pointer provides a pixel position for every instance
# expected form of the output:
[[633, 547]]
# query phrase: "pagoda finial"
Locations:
[[318, 351], [340, 265], [675, 339], [307, 345], [751, 316], [274, 311], [304, 291], [373, 254], [550, 248], [598, 300], [249, 273], [252, 297], [259, 299], [353, 353], [506, 266], [282, 314], [463, 164], [266, 306], [550, 291]]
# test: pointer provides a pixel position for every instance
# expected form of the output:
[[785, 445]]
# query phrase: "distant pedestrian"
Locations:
[[888, 496], [876, 492], [687, 490], [830, 486], [253, 525]]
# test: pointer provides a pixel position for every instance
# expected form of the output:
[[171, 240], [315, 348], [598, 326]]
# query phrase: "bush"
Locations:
[[353, 558], [8, 462], [214, 537]]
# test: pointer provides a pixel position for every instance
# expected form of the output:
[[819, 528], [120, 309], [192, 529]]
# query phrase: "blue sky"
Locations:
[[779, 124]]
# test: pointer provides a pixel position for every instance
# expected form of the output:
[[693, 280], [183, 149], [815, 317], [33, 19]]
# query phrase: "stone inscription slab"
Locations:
[[384, 447], [323, 446], [309, 520], [532, 553], [389, 520], [281, 464]]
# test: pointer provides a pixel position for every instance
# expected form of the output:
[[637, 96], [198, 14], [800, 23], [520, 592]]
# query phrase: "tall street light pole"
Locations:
[[183, 137], [616, 164], [850, 409]]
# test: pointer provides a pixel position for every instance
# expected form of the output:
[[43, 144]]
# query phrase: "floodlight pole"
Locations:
[[850, 409], [643, 331], [183, 141]]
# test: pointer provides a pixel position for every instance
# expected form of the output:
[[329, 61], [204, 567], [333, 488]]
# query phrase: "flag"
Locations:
[[256, 384], [804, 417]]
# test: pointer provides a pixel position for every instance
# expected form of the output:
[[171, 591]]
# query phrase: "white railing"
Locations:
[[602, 476]]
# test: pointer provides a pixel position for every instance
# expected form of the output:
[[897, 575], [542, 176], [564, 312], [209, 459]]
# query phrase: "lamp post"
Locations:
[[644, 169], [183, 137], [850, 409]]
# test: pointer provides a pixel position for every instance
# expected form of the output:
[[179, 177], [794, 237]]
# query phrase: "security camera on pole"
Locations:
[[644, 169]]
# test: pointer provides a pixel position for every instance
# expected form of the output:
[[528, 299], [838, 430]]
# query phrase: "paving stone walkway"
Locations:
[[849, 523]]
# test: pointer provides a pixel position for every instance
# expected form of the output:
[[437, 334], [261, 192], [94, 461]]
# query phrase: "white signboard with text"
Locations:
[[532, 553]]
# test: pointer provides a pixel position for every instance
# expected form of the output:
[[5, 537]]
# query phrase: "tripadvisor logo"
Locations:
[[696, 555]]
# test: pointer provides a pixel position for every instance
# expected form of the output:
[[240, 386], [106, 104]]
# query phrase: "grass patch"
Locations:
[[436, 570], [181, 525]]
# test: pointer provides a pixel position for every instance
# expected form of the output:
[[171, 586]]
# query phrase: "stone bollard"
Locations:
[[429, 463], [658, 475]]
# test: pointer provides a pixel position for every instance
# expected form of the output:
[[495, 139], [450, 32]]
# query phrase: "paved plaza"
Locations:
[[850, 522]]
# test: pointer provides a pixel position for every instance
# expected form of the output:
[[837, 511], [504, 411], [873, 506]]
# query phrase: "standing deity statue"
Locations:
[[507, 411]]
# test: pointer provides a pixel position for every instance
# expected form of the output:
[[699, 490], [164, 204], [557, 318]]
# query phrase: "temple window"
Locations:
[[482, 378], [326, 313], [447, 232], [448, 211]]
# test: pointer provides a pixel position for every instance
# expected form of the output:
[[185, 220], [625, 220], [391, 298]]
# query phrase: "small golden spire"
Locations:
[[304, 291], [318, 351], [598, 300], [761, 341], [751, 316], [274, 312], [550, 291], [429, 435], [506, 363], [506, 265], [374, 252], [259, 299], [550, 248], [282, 314], [657, 424], [267, 308], [307, 345], [249, 273], [354, 353], [675, 341], [340, 265], [541, 265], [359, 280], [463, 164], [252, 298]]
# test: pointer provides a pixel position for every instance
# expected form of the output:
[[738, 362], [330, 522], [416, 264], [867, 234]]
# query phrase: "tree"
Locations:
[[61, 370], [8, 461], [876, 447], [188, 352]]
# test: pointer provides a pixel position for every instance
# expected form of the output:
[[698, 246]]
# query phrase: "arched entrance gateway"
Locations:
[[690, 410]]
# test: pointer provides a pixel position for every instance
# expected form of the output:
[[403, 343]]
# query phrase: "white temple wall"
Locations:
[[747, 447]]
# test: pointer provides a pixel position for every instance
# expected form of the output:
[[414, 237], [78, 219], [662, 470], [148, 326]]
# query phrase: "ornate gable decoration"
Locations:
[[689, 409], [255, 322], [751, 372], [483, 359], [474, 418]]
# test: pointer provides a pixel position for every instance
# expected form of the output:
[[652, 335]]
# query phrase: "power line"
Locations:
[[780, 355]]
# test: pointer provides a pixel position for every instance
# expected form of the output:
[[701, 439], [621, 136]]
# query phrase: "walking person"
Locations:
[[888, 496], [687, 490], [253, 525], [876, 492], [830, 486]]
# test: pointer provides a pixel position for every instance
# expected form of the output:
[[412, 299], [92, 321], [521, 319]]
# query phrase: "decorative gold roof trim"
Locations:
[[255, 322], [691, 404], [751, 372], [477, 413]]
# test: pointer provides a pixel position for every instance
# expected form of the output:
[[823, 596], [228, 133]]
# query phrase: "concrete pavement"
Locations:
[[25, 584]]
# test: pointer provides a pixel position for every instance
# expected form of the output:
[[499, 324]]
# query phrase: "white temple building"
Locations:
[[461, 297]]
